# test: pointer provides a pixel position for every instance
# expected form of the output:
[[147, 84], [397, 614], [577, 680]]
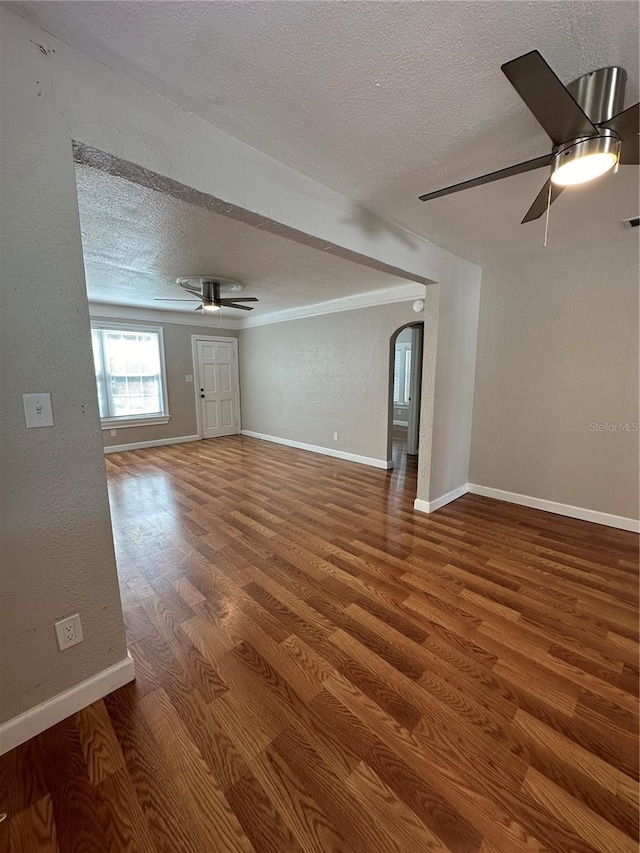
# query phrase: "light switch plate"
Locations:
[[38, 411], [188, 377]]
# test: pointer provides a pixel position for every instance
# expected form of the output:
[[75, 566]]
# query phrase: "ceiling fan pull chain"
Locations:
[[546, 222]]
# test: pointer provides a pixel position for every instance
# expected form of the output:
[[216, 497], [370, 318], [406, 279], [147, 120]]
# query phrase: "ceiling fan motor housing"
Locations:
[[600, 94], [199, 282]]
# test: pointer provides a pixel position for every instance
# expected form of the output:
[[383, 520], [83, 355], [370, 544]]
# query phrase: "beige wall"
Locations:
[[557, 354], [57, 549], [305, 379], [459, 303], [178, 363]]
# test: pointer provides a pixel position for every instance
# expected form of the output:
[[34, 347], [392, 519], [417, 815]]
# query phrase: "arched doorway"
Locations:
[[405, 381]]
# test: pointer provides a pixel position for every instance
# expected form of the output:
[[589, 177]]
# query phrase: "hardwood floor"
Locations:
[[320, 668]]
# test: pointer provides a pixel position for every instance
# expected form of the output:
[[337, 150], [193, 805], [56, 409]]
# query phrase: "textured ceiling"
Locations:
[[137, 241], [381, 101]]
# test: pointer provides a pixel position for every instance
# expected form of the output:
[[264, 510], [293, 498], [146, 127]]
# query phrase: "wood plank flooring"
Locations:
[[320, 668]]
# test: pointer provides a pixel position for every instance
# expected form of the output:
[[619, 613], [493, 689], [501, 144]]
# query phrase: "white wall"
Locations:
[[404, 337], [558, 354]]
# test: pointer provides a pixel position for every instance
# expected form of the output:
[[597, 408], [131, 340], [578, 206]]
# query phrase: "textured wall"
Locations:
[[179, 363], [558, 352], [58, 554], [57, 550], [306, 379], [454, 377]]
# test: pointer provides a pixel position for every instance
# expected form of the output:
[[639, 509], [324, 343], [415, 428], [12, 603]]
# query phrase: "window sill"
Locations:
[[123, 423]]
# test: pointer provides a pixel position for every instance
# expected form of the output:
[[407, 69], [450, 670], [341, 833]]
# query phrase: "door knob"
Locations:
[[202, 395]]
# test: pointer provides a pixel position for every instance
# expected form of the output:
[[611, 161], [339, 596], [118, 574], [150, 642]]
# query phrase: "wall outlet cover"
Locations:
[[69, 632]]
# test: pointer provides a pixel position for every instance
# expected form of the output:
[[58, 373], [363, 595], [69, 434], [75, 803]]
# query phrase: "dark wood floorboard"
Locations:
[[320, 668]]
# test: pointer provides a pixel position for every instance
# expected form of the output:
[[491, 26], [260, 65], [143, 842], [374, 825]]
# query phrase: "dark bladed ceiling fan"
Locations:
[[208, 291], [591, 134]]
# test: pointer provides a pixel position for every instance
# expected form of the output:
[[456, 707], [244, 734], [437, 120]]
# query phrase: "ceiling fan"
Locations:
[[590, 132], [208, 290]]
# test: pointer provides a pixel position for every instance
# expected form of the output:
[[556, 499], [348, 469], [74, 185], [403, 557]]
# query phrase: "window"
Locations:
[[129, 364], [402, 375]]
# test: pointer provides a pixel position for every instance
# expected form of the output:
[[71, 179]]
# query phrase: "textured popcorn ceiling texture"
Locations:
[[381, 101], [137, 241]]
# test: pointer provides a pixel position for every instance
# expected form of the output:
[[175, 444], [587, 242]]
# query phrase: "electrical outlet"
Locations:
[[336, 436], [113, 432], [69, 632]]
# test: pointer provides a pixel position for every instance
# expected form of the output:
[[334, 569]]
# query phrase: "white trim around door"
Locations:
[[196, 382]]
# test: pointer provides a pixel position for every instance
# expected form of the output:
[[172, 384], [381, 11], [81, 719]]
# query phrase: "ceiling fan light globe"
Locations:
[[584, 169], [210, 308], [585, 160]]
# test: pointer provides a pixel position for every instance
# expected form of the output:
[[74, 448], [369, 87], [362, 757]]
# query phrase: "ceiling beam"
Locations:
[[121, 127]]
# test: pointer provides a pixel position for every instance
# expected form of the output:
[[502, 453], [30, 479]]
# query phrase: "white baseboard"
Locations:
[[326, 451], [583, 514], [158, 442], [592, 515], [432, 506], [47, 714]]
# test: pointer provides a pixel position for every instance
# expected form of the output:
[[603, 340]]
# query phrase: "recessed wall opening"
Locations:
[[405, 381]]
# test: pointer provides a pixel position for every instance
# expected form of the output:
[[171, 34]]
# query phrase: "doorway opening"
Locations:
[[405, 381]]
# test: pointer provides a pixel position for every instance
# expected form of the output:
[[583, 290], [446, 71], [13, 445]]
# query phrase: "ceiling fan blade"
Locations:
[[199, 308], [542, 199], [630, 152], [243, 299], [626, 123], [555, 108], [233, 305], [518, 169]]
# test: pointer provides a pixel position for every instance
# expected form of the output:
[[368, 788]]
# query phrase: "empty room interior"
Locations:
[[319, 426]]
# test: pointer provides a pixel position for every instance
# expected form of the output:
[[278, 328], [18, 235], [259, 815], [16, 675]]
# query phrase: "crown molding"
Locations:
[[385, 296], [155, 315]]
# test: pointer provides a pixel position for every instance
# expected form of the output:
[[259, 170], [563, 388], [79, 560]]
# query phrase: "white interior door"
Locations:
[[217, 388]]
